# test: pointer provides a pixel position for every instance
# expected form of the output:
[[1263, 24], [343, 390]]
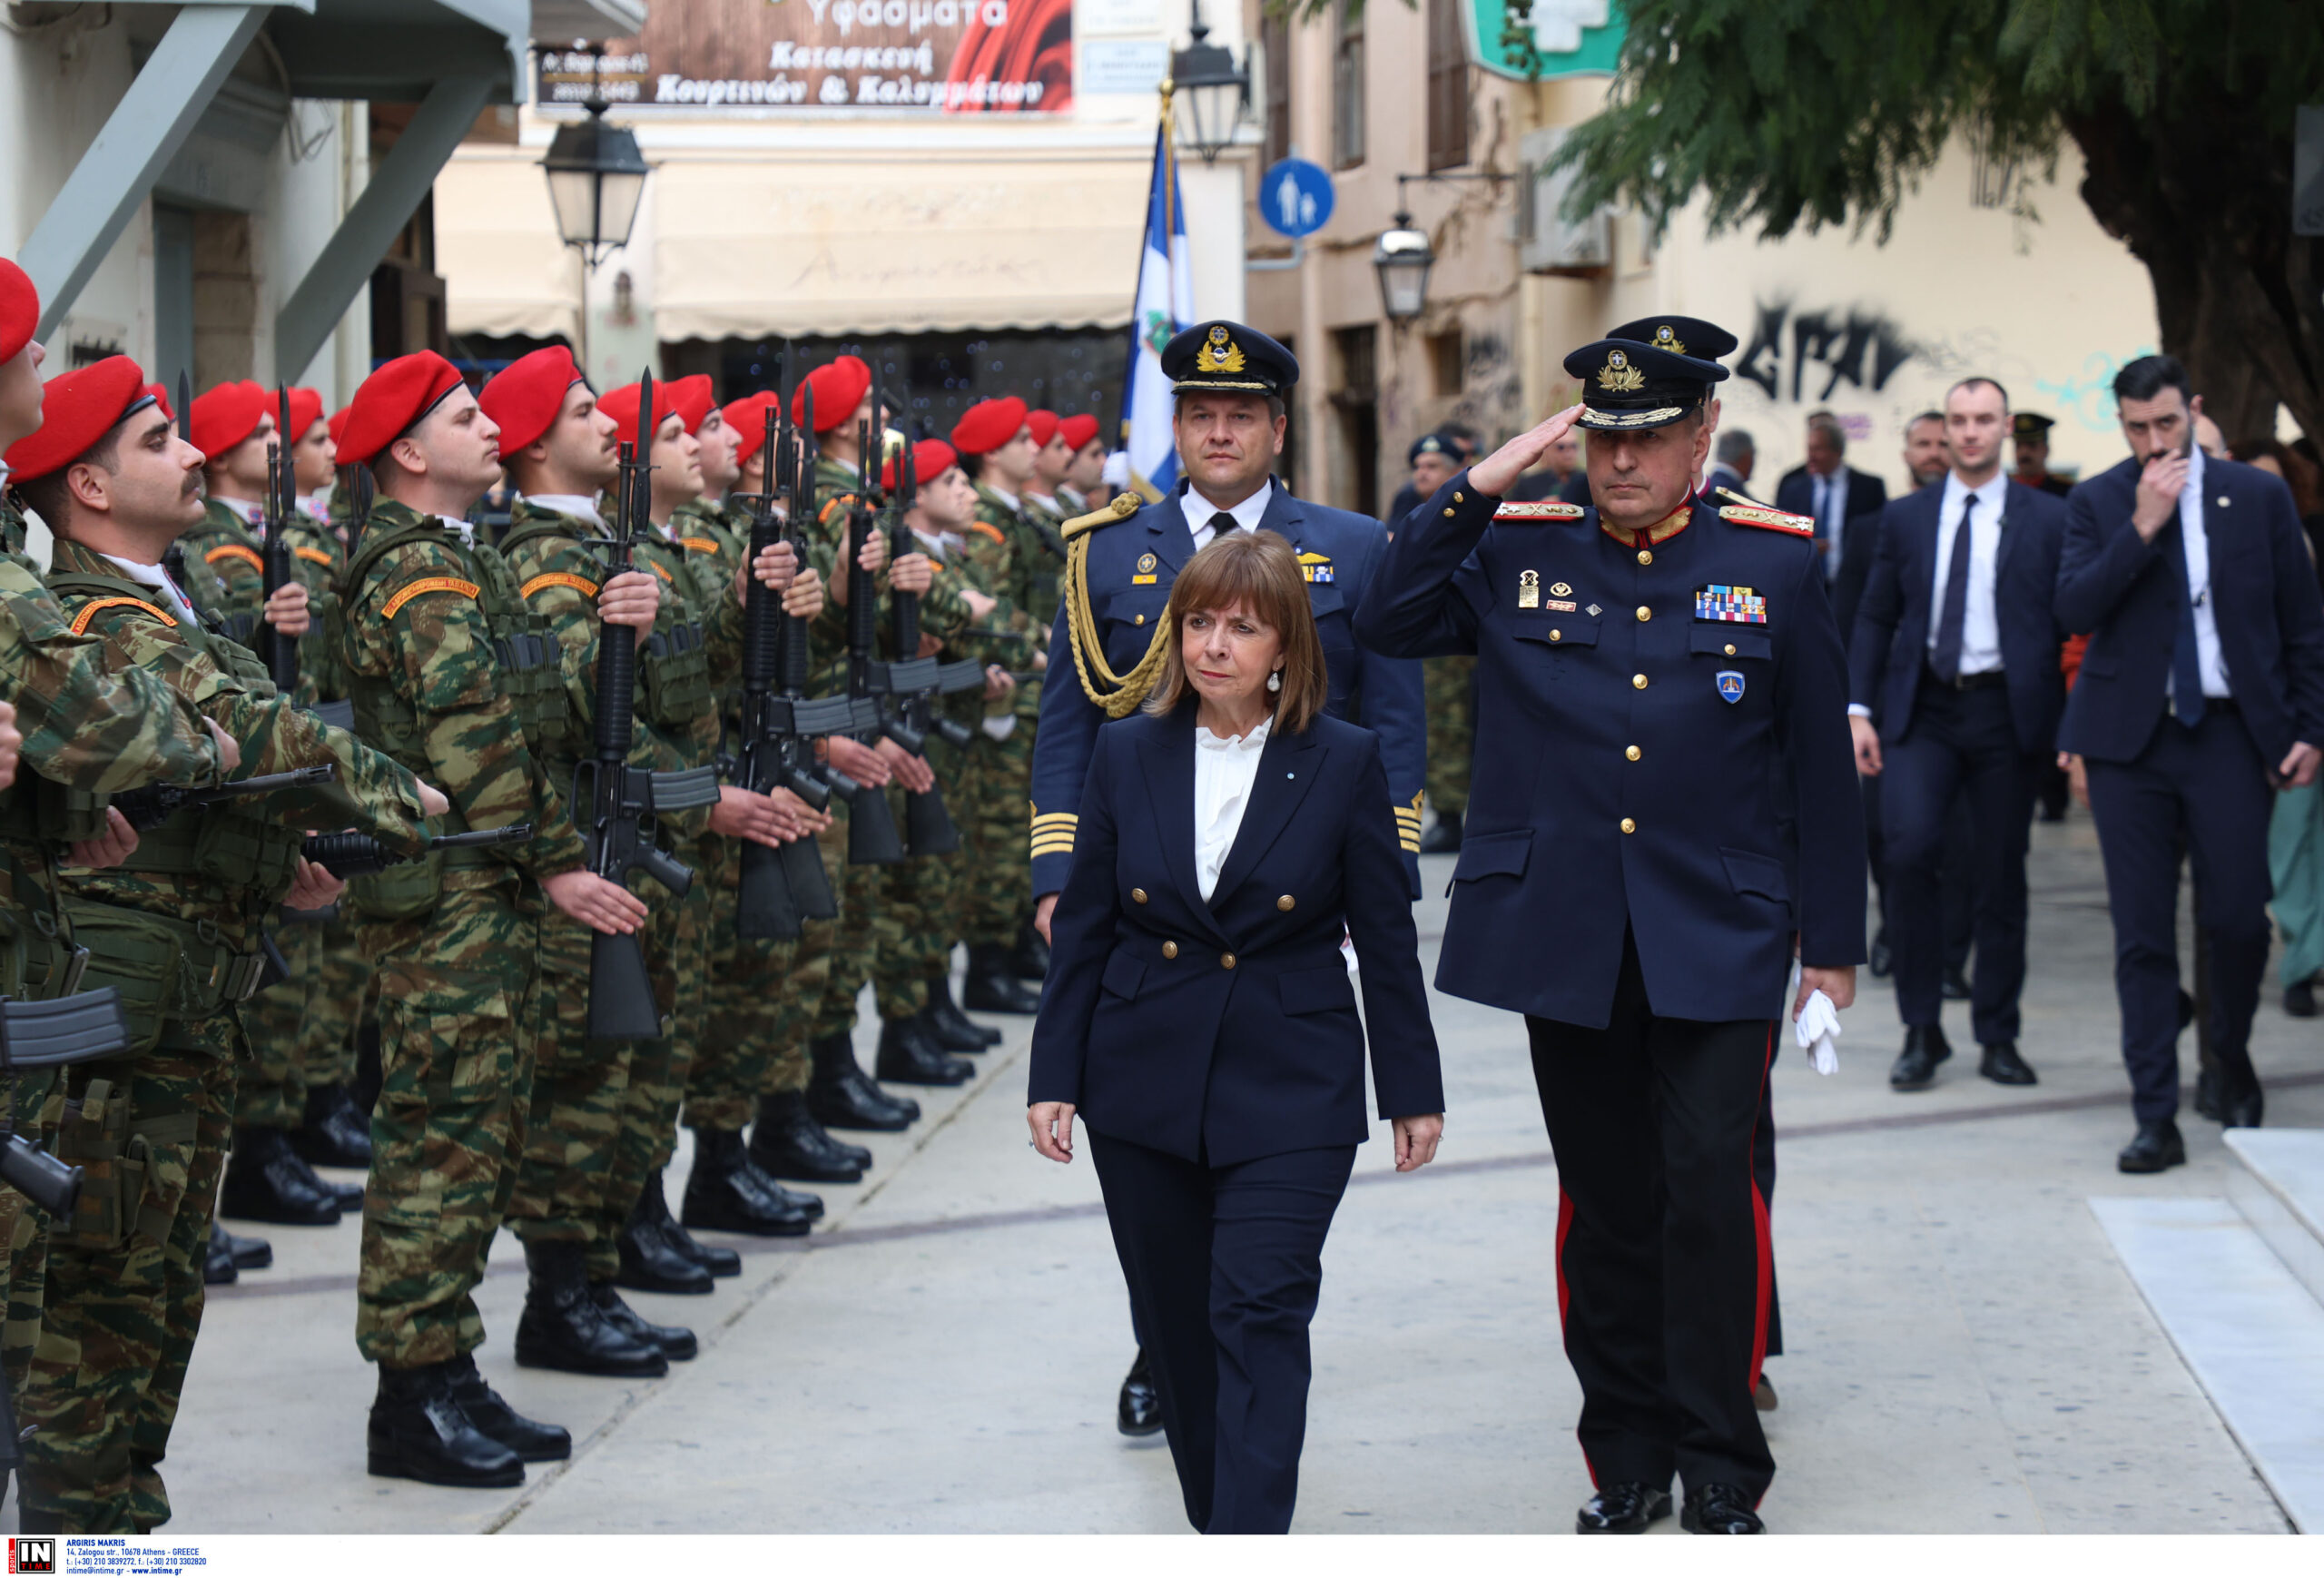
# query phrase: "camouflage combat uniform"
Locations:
[[1451, 684], [998, 882], [453, 676], [175, 929]]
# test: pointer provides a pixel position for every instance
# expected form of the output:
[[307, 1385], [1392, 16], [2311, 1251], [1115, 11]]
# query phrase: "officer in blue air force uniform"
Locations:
[[1664, 804], [1121, 561]]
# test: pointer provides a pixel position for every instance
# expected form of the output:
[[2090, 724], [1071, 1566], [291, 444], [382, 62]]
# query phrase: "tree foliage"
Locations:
[[1785, 114]]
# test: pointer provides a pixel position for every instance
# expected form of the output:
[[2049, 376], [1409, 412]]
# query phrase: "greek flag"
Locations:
[[1165, 305]]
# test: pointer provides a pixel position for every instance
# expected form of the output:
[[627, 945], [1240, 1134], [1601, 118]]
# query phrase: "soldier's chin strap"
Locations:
[[1119, 695]]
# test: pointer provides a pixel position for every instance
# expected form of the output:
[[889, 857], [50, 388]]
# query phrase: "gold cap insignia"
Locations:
[[1145, 564], [1665, 341], [1618, 376], [1221, 354]]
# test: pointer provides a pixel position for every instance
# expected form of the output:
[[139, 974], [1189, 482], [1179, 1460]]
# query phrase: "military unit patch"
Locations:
[[1730, 687], [1730, 605]]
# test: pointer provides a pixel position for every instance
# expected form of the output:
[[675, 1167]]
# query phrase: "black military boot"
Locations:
[[336, 1133], [650, 1262], [488, 1411], [955, 1031], [755, 1176], [787, 1142], [1030, 956], [907, 1056], [267, 1181], [993, 986], [419, 1430], [562, 1327], [714, 1258], [672, 1342], [841, 1096], [723, 1196], [218, 1267]]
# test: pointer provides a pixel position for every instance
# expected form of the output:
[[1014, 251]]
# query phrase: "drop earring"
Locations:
[[1275, 680]]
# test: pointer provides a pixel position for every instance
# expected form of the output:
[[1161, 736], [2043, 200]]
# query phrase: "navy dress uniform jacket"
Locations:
[[2125, 596], [1889, 650], [1227, 1030], [1340, 552], [1690, 778]]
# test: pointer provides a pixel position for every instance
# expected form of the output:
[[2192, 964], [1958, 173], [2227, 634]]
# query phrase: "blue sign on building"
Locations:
[[1295, 197]]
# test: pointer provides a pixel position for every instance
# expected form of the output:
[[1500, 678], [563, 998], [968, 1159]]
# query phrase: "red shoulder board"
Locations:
[[1544, 510], [1769, 520]]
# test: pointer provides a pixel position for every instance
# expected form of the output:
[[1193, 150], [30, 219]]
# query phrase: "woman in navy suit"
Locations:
[[1199, 1018]]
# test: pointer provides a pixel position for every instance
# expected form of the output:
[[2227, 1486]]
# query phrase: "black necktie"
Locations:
[[1221, 524], [2187, 702], [1946, 661]]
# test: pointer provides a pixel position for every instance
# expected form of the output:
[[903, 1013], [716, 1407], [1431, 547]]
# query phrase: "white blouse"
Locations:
[[1224, 771]]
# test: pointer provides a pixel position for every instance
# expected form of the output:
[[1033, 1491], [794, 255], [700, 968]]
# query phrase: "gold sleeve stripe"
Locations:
[[1055, 844], [1412, 845], [234, 550], [586, 588], [91, 609], [427, 584], [313, 556], [1057, 819]]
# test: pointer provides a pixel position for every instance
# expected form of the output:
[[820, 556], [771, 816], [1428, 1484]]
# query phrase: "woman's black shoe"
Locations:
[[562, 1328], [724, 1193], [489, 1412], [840, 1095], [419, 1430], [1719, 1509], [672, 1342], [907, 1056], [787, 1142], [2155, 1147], [1622, 1509], [1139, 1410], [956, 1031]]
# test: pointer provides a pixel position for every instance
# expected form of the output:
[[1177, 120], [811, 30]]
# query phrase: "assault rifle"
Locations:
[[148, 807], [280, 651], [782, 886], [359, 855], [870, 826], [622, 800], [911, 683]]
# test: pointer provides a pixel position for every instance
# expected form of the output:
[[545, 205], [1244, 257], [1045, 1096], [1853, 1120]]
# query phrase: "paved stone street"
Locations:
[[1966, 1352]]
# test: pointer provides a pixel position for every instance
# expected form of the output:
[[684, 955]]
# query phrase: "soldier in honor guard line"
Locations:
[[1626, 656], [1229, 422], [173, 924], [1085, 469]]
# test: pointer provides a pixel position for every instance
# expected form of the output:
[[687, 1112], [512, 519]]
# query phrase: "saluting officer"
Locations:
[[1628, 655]]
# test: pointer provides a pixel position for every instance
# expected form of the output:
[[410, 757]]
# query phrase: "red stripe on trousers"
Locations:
[[1760, 1231], [1565, 1296]]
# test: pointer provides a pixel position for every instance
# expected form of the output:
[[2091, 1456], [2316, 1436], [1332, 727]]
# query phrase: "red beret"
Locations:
[[693, 400], [306, 410], [162, 398], [338, 429], [839, 389], [76, 409], [620, 404], [1079, 429], [1044, 425], [224, 416], [19, 309], [747, 415], [931, 458], [390, 401], [523, 397], [987, 425]]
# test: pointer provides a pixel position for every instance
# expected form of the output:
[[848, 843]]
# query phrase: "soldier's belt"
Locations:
[[165, 968]]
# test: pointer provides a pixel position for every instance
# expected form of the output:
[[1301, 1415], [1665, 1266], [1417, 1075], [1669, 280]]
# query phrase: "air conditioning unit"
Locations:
[[1547, 242]]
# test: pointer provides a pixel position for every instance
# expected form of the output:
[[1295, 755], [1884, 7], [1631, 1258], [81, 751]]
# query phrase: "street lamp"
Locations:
[[596, 177], [1401, 259], [1212, 91]]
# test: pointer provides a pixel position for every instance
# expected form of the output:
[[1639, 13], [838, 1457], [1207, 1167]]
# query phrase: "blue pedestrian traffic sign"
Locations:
[[1295, 197]]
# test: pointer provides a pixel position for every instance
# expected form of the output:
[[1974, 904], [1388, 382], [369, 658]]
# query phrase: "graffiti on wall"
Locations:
[[1805, 355]]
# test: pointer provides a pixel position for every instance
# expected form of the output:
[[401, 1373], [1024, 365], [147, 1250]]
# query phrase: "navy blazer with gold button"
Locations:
[[1227, 1030]]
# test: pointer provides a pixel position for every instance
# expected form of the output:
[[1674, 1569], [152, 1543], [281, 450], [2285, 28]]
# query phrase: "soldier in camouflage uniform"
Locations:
[[174, 925], [452, 674], [1450, 683], [1083, 487], [80, 727], [1010, 555], [233, 425]]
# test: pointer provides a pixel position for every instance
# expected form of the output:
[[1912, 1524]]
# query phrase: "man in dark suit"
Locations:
[[1956, 644], [1732, 458], [2202, 688], [1844, 502], [1627, 657]]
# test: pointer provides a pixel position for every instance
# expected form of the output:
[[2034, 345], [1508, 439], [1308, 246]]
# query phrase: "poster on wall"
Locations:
[[933, 57]]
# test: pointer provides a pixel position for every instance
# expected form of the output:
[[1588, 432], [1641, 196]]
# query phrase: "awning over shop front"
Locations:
[[757, 247], [505, 270]]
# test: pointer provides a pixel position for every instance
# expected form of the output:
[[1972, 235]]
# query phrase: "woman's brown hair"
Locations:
[[1259, 572]]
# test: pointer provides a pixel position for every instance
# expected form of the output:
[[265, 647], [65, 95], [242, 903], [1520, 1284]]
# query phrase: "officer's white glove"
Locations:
[[1816, 1028]]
